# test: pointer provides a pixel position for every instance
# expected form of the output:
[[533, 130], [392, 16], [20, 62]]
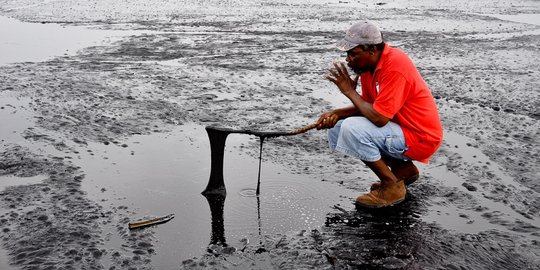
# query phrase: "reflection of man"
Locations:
[[392, 122]]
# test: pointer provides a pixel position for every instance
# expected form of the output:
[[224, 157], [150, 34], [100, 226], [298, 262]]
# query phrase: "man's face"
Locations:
[[359, 60]]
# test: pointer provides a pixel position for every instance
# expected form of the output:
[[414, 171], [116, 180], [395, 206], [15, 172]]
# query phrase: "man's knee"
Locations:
[[358, 127]]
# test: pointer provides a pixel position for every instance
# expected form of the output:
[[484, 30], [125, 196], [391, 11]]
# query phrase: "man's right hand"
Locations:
[[327, 120]]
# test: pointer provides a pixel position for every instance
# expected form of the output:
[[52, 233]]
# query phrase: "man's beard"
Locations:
[[358, 70]]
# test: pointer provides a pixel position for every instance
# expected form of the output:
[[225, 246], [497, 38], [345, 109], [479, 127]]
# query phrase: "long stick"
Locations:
[[303, 129], [266, 134], [217, 137]]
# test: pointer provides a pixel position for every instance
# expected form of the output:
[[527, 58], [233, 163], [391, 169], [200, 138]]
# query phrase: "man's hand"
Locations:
[[327, 120], [341, 78]]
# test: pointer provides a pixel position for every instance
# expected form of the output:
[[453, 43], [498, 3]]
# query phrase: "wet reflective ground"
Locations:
[[95, 138], [163, 174]]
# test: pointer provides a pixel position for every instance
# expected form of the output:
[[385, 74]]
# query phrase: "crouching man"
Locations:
[[393, 121]]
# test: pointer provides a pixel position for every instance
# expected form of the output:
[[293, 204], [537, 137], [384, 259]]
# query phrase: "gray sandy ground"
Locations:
[[267, 59]]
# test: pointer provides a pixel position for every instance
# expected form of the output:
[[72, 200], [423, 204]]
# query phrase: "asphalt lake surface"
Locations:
[[103, 108]]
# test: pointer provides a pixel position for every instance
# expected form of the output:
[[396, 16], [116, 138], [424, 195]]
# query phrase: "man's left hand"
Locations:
[[341, 78]]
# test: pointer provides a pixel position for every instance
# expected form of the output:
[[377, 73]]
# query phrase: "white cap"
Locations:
[[362, 33]]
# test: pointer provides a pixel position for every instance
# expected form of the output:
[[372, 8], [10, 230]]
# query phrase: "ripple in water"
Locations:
[[248, 192], [285, 204]]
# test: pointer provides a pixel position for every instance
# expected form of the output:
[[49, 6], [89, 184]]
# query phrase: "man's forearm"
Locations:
[[366, 109], [347, 112]]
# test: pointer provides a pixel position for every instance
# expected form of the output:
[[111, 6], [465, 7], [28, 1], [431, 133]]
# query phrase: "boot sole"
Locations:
[[378, 207]]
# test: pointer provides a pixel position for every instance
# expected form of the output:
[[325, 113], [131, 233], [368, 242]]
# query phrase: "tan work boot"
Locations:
[[385, 195], [406, 172]]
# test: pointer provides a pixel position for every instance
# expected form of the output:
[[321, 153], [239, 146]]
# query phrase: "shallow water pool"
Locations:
[[164, 174]]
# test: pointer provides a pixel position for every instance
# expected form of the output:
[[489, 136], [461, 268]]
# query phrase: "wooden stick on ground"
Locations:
[[149, 222]]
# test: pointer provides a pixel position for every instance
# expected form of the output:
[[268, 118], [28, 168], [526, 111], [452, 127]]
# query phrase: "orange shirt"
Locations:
[[397, 91]]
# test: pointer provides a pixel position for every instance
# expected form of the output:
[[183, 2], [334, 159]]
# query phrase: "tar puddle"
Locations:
[[163, 174]]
